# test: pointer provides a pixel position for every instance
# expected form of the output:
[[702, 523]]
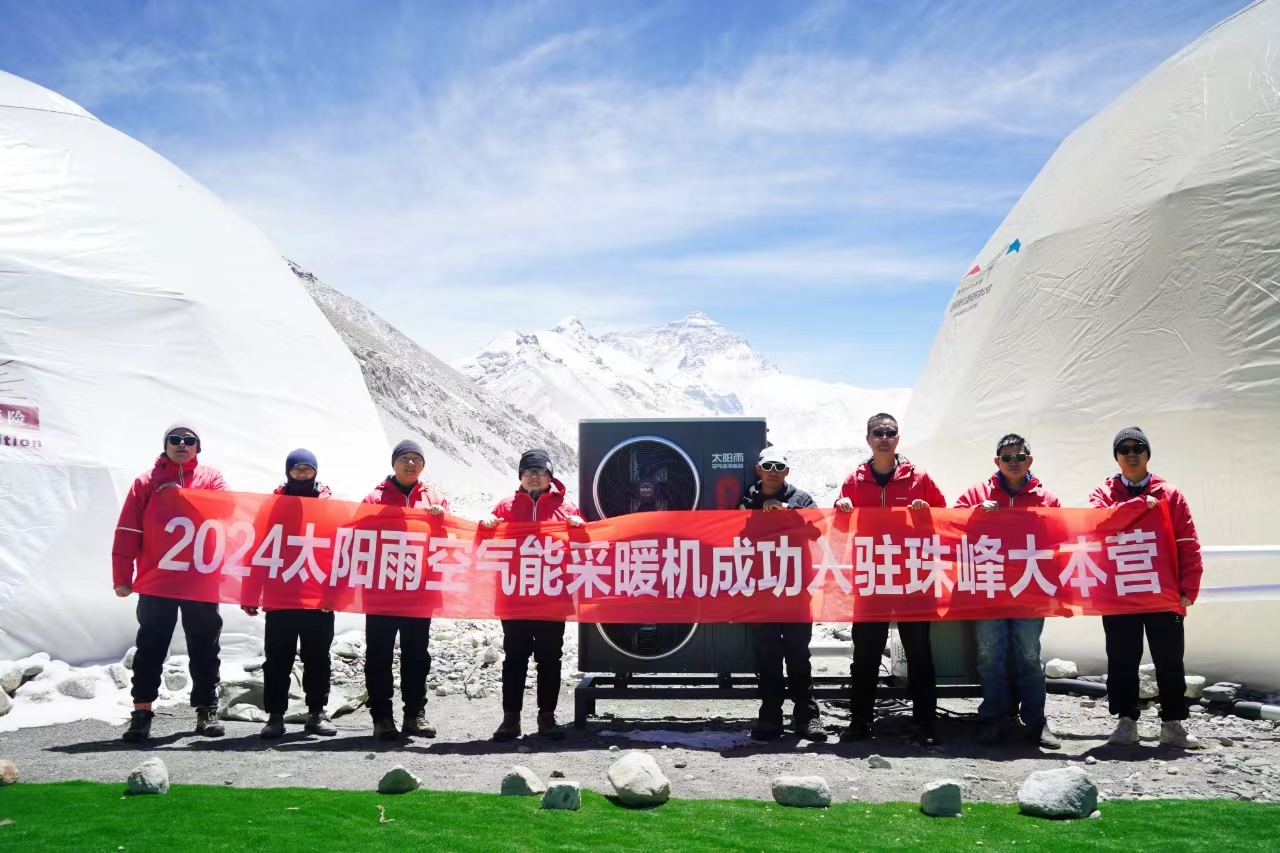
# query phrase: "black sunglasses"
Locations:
[[1126, 449], [1010, 457], [188, 440], [773, 466], [884, 433]]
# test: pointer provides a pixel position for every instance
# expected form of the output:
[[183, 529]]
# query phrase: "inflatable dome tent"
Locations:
[[1137, 281], [130, 297]]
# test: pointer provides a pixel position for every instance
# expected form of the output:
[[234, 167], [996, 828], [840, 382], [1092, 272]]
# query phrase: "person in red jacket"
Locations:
[[1013, 486], [289, 629], [540, 497], [889, 480], [1164, 630], [402, 488], [178, 467]]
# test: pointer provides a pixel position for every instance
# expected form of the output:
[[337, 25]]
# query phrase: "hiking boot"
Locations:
[[318, 724], [1173, 733], [418, 726], [990, 734], [274, 727], [510, 728], [1045, 738], [207, 722], [926, 734], [548, 727], [766, 729], [810, 728], [1126, 733], [384, 728], [139, 727], [855, 732]]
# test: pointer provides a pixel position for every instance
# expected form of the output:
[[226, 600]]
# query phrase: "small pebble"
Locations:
[[1089, 759], [613, 747], [680, 765], [557, 774]]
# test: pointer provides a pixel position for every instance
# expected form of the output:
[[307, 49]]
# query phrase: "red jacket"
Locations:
[[1113, 492], [128, 540], [388, 493], [907, 485], [550, 506], [1032, 494]]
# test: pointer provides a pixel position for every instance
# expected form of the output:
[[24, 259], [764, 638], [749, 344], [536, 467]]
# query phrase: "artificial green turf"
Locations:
[[94, 816]]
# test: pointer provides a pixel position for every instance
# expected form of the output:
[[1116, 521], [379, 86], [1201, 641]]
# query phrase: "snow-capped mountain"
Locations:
[[472, 440], [692, 367]]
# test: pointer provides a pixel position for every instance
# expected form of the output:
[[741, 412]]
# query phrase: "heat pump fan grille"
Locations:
[[645, 474], [647, 642]]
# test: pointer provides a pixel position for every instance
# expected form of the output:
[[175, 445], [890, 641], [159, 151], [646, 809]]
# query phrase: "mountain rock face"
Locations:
[[472, 439]]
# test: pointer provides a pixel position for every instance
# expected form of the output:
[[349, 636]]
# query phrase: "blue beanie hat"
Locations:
[[301, 456]]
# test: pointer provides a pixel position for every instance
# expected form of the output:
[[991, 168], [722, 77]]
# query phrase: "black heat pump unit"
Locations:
[[627, 466]]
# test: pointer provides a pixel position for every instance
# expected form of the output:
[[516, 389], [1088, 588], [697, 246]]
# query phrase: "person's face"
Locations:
[[408, 468], [180, 445], [883, 436], [535, 479], [1133, 456], [302, 472], [773, 475], [1014, 462]]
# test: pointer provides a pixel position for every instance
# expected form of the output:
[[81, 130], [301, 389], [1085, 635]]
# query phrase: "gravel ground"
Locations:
[[1241, 758]]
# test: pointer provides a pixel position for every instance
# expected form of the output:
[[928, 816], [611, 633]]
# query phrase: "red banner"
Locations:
[[782, 566]]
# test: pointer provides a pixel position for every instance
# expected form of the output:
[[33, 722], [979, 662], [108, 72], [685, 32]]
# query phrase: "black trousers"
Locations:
[[544, 640], [1124, 656], [868, 645], [776, 643], [201, 622], [415, 663], [286, 629]]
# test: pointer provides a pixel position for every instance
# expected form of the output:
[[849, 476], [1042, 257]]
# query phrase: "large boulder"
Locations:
[[942, 799], [8, 772], [1065, 792], [802, 791], [149, 777], [1147, 686], [397, 780], [1221, 692], [79, 687], [175, 680], [522, 782], [120, 675], [1059, 668], [638, 780], [566, 796], [6, 704], [1195, 686], [11, 676], [34, 664]]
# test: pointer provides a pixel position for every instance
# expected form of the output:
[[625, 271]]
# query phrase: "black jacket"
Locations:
[[794, 498]]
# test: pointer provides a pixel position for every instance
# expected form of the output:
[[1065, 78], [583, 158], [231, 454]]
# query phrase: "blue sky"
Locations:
[[816, 176]]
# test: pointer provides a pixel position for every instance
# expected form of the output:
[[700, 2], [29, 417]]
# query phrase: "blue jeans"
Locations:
[[1005, 644]]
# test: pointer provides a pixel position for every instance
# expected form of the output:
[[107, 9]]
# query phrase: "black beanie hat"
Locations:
[[407, 446], [1130, 433], [536, 458], [301, 456]]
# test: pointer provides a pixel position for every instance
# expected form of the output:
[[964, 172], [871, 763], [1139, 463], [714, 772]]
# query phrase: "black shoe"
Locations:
[[318, 724], [384, 728], [811, 729], [274, 727], [139, 727], [207, 722], [418, 726], [926, 735], [1045, 739], [510, 728], [990, 734], [548, 727], [855, 732], [766, 729]]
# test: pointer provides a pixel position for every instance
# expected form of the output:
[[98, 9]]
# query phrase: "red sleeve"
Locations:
[[502, 511], [1190, 560], [932, 494], [1051, 500], [969, 499], [128, 539], [1101, 497], [847, 490], [217, 484], [438, 498], [569, 509]]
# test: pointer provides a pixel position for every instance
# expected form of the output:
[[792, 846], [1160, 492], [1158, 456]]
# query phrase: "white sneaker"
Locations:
[[1126, 733], [1175, 734]]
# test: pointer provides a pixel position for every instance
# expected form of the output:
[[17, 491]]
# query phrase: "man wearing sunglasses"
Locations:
[[1164, 630], [403, 487], [890, 480], [176, 467], [1002, 642], [779, 642]]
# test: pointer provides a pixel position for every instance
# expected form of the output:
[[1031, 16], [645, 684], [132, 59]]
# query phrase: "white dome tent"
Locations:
[[130, 297], [1137, 282]]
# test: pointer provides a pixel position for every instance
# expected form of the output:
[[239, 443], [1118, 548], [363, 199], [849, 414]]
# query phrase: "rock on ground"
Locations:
[[120, 675], [1221, 692], [877, 763], [1147, 686], [78, 687], [10, 677], [244, 714], [149, 777], [563, 795], [397, 780], [127, 660], [8, 772], [638, 780], [521, 782], [1195, 686], [175, 680], [942, 799], [802, 791], [1065, 792], [6, 704], [1059, 668]]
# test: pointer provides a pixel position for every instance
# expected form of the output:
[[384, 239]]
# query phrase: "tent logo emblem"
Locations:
[[16, 409]]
